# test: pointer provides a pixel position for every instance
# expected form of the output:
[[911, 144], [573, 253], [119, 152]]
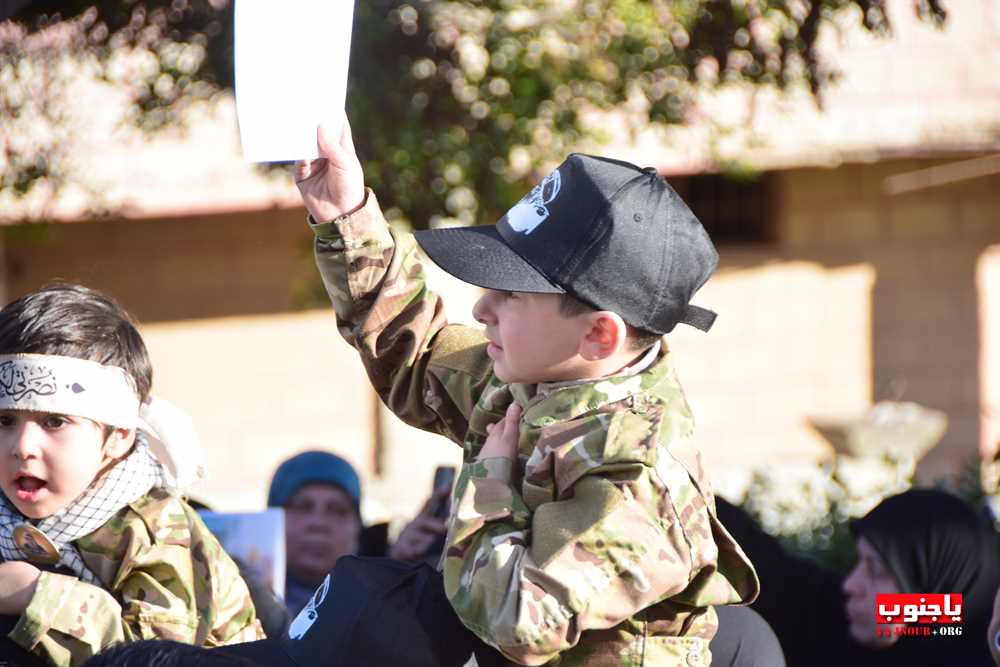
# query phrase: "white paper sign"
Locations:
[[291, 73]]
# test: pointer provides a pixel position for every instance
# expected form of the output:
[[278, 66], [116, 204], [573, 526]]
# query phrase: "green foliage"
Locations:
[[455, 104]]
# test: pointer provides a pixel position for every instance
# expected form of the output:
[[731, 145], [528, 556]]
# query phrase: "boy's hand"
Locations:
[[502, 439], [17, 586], [333, 184]]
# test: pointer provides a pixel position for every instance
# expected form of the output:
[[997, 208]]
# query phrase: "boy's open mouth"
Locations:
[[29, 487]]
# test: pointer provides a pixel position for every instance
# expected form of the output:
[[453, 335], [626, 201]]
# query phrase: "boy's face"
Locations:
[[48, 459], [530, 340]]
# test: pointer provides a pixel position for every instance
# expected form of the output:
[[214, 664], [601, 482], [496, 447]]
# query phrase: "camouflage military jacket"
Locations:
[[600, 546], [165, 576]]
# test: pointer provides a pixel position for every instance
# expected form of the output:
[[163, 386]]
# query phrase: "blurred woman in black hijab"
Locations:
[[921, 541], [926, 541]]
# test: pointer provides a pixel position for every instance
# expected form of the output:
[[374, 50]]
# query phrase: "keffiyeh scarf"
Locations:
[[127, 481]]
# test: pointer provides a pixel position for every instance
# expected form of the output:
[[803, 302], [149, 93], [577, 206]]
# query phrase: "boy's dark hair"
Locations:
[[164, 653], [638, 339], [75, 321]]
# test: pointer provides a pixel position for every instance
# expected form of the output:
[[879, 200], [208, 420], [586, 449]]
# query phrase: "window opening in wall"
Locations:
[[732, 209]]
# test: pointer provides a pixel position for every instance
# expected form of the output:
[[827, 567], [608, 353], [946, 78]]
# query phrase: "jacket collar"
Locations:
[[548, 403]]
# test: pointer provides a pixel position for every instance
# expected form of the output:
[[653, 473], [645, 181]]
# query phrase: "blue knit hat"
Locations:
[[312, 468]]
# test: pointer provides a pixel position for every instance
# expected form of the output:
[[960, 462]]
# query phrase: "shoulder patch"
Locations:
[[463, 349]]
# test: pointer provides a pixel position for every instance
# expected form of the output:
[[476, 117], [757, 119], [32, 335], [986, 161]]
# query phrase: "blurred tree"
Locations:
[[453, 103]]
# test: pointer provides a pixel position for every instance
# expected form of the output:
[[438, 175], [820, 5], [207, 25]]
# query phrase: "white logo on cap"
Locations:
[[300, 626], [531, 211]]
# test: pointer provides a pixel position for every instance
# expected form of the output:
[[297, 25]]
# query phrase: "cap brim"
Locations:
[[264, 652], [478, 255]]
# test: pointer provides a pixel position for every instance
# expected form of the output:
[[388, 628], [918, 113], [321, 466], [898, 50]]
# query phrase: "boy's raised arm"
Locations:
[[377, 285]]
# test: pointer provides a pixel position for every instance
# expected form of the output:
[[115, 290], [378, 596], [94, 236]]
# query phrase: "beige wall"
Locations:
[[173, 268], [262, 381], [261, 388], [791, 341], [931, 326], [864, 296]]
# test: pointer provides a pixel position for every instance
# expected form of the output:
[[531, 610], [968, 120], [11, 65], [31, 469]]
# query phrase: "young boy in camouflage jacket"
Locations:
[[97, 547], [590, 536]]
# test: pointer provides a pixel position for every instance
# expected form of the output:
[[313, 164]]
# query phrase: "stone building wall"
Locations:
[[860, 296]]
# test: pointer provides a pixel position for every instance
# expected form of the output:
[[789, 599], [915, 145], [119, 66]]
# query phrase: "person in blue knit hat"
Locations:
[[321, 495]]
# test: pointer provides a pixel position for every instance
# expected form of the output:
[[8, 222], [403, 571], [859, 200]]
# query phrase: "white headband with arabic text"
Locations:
[[68, 386]]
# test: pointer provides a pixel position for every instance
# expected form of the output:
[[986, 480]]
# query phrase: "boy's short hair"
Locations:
[[637, 339], [608, 233], [74, 321]]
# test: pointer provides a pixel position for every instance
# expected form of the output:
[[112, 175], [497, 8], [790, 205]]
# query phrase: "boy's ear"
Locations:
[[119, 443], [605, 337]]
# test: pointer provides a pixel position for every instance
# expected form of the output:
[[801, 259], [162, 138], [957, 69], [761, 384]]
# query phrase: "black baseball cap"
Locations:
[[611, 234], [373, 611]]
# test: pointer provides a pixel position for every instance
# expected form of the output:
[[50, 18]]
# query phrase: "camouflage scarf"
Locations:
[[128, 480]]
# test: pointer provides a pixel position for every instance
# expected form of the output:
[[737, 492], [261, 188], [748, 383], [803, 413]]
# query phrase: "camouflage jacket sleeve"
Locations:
[[529, 582], [427, 372], [165, 575]]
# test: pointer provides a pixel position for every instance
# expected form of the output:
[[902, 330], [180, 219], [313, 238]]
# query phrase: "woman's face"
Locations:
[[320, 527], [868, 578]]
